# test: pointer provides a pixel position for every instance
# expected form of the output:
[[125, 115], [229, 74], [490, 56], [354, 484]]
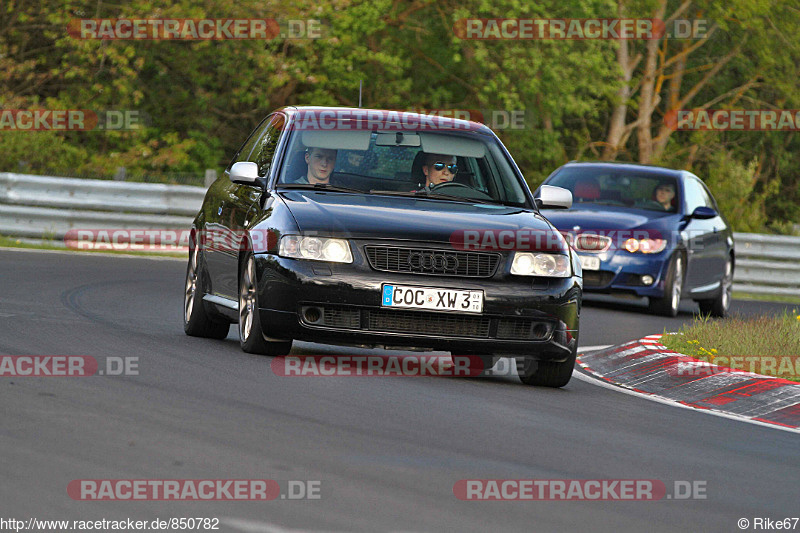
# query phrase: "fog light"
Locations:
[[540, 331], [647, 280], [312, 314]]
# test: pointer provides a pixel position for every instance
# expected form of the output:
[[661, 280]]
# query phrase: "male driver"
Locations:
[[439, 169], [664, 194], [320, 165]]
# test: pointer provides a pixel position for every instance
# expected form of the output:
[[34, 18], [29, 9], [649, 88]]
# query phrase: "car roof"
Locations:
[[611, 165], [402, 116]]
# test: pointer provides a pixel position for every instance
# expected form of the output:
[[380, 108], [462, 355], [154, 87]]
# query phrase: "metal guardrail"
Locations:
[[767, 264], [48, 207], [100, 195]]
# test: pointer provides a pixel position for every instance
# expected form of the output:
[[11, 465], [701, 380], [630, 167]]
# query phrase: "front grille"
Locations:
[[428, 323], [341, 317], [597, 278], [432, 262], [520, 328], [423, 323]]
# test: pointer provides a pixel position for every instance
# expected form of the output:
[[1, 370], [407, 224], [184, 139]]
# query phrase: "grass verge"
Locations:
[[765, 297], [11, 242], [766, 344]]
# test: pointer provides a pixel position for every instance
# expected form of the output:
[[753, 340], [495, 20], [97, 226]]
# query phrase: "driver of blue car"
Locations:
[[664, 194]]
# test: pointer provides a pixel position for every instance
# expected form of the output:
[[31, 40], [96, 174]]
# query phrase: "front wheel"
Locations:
[[251, 336], [546, 373], [719, 306], [673, 287]]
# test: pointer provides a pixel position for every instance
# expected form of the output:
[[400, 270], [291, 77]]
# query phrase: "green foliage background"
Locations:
[[202, 98]]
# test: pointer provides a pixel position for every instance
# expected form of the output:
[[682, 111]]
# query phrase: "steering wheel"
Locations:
[[650, 204], [446, 184], [456, 187]]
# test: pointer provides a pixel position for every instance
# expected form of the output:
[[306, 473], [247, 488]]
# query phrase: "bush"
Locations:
[[739, 194]]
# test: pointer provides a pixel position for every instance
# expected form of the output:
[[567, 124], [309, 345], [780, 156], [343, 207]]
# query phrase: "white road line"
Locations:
[[593, 348], [255, 526]]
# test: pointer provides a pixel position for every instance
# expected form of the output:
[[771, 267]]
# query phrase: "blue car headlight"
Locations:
[[645, 246]]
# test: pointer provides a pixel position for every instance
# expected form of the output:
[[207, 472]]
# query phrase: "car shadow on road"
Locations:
[[633, 304]]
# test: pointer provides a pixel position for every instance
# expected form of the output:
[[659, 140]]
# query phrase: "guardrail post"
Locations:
[[211, 177], [120, 174]]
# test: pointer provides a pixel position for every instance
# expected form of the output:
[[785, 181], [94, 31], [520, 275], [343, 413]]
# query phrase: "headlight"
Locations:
[[315, 249], [533, 264], [645, 246]]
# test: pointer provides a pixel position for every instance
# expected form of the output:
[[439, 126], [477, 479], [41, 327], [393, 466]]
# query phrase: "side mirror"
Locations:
[[245, 173], [703, 213], [550, 197]]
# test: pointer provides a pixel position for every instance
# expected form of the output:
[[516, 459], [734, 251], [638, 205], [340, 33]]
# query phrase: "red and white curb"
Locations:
[[649, 368]]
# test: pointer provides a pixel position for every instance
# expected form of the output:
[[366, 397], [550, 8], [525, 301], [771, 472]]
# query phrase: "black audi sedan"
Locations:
[[647, 231], [384, 228]]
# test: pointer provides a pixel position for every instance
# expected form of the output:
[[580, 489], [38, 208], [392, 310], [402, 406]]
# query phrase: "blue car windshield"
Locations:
[[627, 188], [466, 166]]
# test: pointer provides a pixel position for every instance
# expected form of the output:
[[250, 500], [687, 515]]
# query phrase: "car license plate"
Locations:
[[405, 297], [589, 262]]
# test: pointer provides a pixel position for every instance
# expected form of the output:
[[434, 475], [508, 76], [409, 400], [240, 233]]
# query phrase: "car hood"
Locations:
[[607, 218], [402, 218]]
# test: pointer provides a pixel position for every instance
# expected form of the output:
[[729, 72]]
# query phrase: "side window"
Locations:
[[265, 148], [696, 195], [244, 152], [710, 202]]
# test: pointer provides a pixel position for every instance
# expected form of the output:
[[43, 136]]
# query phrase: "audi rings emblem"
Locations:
[[433, 261]]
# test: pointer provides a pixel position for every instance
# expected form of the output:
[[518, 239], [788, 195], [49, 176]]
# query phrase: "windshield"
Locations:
[[631, 188], [458, 166]]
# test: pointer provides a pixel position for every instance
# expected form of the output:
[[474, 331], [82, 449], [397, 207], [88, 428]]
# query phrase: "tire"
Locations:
[[251, 335], [546, 373], [673, 289], [719, 306], [196, 321]]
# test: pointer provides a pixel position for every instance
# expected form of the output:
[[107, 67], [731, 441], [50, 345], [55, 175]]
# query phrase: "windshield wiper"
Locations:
[[435, 196], [320, 187]]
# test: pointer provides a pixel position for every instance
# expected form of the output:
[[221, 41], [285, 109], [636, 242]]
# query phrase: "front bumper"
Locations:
[[621, 272], [522, 316]]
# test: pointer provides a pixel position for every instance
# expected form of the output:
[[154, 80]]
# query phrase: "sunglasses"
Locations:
[[439, 166]]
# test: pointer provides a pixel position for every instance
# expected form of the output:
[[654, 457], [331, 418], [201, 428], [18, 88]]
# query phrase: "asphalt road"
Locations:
[[386, 451]]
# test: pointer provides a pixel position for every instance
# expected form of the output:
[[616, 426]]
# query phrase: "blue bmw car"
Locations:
[[647, 231]]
